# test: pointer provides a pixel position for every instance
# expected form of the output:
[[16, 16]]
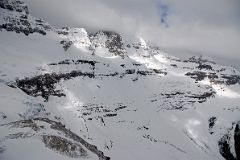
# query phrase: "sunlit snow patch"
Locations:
[[72, 101], [222, 90], [161, 58]]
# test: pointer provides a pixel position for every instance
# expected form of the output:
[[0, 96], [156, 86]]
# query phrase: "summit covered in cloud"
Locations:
[[199, 27]]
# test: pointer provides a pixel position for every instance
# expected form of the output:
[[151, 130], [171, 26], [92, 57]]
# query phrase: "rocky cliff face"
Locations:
[[66, 94], [15, 17]]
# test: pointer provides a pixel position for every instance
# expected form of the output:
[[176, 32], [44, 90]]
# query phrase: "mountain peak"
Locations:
[[14, 5], [66, 94]]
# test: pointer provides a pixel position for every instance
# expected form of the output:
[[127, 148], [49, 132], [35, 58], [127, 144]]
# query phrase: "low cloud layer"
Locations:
[[201, 27]]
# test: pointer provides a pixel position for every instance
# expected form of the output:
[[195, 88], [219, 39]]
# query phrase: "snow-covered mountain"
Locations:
[[66, 94]]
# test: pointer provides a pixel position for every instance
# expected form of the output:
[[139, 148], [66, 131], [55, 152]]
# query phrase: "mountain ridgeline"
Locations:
[[67, 94]]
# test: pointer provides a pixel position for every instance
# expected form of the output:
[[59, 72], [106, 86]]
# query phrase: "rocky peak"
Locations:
[[110, 40], [14, 5], [14, 16], [199, 60]]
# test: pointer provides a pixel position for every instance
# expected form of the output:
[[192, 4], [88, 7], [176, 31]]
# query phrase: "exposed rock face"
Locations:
[[77, 36], [199, 60], [77, 104], [205, 66], [64, 146], [44, 85], [231, 79], [14, 5], [224, 148], [197, 75], [72, 148], [21, 22], [110, 40], [66, 44], [237, 141], [211, 123]]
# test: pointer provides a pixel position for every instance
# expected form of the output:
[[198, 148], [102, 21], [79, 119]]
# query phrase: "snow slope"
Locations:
[[68, 95]]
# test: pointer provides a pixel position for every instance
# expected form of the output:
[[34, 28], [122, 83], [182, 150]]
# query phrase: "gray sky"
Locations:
[[207, 27]]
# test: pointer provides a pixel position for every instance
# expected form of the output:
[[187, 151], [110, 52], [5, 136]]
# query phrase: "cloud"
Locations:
[[203, 27]]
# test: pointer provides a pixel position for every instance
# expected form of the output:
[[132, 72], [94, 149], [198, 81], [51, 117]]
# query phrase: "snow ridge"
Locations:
[[66, 94]]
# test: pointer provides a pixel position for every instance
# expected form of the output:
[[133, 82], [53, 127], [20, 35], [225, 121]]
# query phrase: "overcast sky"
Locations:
[[208, 27]]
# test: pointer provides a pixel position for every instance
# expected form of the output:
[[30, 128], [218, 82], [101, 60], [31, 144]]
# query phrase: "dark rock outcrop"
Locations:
[[198, 60], [237, 141], [14, 5], [231, 79], [224, 147], [70, 145], [21, 23], [205, 66], [197, 75], [64, 146], [66, 44], [211, 123], [113, 43], [44, 85]]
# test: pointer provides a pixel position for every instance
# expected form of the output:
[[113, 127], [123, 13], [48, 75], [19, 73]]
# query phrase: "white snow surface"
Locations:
[[147, 127]]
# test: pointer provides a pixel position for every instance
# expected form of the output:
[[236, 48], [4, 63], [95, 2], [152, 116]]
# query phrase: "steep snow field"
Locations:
[[68, 95]]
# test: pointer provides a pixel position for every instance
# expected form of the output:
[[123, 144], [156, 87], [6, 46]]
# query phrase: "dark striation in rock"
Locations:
[[121, 106], [96, 111], [64, 146], [171, 95], [79, 61], [173, 65], [197, 75], [231, 79], [199, 60], [114, 74], [110, 115], [44, 85], [214, 78], [211, 123], [151, 72], [203, 96], [137, 64], [66, 44], [205, 66], [144, 73], [237, 141], [130, 71], [159, 71], [179, 100]]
